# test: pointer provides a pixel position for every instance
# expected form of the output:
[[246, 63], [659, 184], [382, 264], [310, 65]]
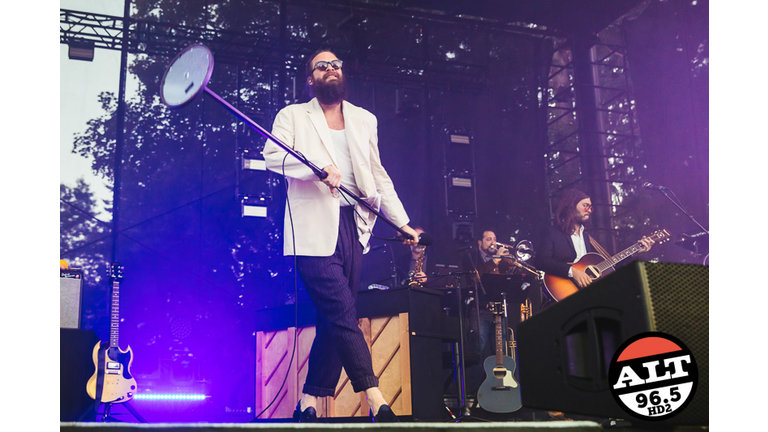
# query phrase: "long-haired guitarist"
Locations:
[[568, 241]]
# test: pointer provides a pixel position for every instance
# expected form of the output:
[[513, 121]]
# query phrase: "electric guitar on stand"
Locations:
[[595, 266], [112, 382], [500, 392]]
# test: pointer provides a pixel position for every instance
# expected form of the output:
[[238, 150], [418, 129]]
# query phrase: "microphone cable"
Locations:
[[295, 298]]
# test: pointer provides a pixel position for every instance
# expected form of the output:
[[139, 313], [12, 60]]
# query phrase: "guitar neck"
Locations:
[[114, 320], [626, 253], [619, 257], [499, 341]]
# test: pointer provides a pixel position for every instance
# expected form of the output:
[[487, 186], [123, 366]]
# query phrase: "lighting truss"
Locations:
[[165, 39]]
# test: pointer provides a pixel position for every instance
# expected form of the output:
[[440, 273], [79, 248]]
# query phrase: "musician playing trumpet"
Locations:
[[480, 337], [489, 253]]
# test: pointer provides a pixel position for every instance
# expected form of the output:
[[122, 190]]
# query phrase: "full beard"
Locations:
[[330, 93], [579, 220]]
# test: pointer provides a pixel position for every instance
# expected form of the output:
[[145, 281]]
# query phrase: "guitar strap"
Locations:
[[600, 250]]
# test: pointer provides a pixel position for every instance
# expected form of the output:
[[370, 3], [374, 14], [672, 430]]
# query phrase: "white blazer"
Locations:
[[313, 221]]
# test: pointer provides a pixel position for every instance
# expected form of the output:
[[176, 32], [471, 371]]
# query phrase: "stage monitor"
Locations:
[[564, 351]]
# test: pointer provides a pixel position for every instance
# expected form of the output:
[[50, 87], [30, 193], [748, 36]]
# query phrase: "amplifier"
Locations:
[[71, 299]]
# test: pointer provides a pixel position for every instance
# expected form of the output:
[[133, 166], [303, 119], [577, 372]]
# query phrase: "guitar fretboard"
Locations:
[[499, 341], [628, 252], [114, 325]]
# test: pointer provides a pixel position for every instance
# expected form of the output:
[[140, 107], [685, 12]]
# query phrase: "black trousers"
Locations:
[[332, 283]]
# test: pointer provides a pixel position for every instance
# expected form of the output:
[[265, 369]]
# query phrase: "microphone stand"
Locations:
[[476, 277], [460, 371], [303, 159], [478, 288], [458, 355], [690, 216], [395, 277], [183, 81]]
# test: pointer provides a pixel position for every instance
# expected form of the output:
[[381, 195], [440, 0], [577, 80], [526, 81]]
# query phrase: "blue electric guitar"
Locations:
[[500, 392]]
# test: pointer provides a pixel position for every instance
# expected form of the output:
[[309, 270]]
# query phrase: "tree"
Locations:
[[85, 244]]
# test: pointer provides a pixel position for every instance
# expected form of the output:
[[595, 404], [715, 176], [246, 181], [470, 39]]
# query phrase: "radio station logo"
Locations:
[[653, 376]]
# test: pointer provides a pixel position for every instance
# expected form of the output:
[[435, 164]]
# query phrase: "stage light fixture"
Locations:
[[457, 138], [249, 162], [81, 50], [253, 206], [461, 182]]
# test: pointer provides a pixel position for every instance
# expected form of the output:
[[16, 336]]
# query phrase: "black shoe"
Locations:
[[309, 415], [385, 415]]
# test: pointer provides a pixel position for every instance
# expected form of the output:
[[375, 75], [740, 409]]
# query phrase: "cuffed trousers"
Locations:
[[332, 283]]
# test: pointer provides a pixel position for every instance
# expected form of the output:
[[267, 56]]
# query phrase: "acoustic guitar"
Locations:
[[112, 381], [595, 266], [500, 392]]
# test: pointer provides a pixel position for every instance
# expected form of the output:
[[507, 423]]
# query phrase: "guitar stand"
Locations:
[[107, 417]]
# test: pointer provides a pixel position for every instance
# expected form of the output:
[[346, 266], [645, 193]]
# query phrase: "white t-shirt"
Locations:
[[344, 159]]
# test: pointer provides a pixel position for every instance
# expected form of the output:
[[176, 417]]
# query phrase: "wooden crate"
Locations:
[[388, 341]]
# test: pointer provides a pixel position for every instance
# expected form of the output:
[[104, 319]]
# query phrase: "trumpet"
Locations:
[[523, 251]]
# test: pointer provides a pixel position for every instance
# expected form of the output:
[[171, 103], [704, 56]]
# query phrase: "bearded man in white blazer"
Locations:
[[327, 231]]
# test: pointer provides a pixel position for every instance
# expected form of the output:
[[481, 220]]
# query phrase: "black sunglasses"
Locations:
[[323, 65]]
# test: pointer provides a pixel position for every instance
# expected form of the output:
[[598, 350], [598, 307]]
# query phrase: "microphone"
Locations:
[[424, 239], [465, 248], [647, 185]]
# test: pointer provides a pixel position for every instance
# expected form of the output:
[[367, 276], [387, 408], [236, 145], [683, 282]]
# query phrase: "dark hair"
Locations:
[[310, 66], [481, 234], [567, 207]]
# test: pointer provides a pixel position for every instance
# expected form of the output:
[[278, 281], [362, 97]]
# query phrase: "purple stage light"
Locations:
[[171, 397]]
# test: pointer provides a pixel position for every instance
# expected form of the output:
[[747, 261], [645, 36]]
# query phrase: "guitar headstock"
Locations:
[[497, 308], [661, 236], [115, 272]]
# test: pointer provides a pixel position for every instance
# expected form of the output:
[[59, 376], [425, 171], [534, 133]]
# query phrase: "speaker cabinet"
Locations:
[[564, 352], [75, 368], [70, 299]]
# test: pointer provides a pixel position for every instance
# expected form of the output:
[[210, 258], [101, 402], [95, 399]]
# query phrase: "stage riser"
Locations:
[[404, 329], [388, 341]]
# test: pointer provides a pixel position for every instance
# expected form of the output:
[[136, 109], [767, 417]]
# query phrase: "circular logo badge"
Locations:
[[653, 376]]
